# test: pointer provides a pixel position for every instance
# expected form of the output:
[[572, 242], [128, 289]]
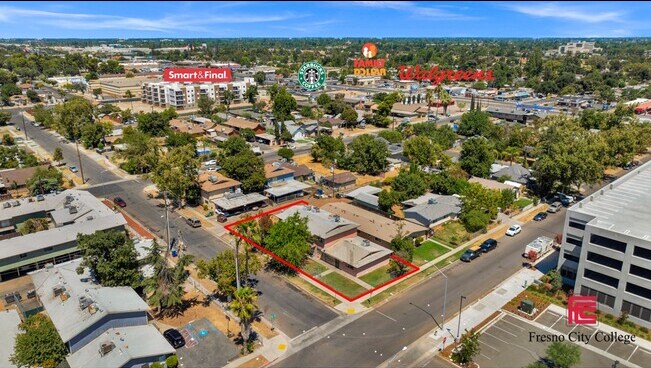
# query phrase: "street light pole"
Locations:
[[460, 307], [445, 297], [81, 166]]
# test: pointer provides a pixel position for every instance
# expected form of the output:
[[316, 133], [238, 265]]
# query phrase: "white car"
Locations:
[[514, 230], [209, 163]]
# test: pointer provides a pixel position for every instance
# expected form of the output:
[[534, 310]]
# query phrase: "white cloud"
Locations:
[[415, 9], [82, 21], [586, 14]]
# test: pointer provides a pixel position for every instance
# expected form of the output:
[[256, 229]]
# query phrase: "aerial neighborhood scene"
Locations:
[[325, 184]]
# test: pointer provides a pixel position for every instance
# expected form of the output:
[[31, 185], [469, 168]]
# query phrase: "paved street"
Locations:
[[378, 335], [295, 311]]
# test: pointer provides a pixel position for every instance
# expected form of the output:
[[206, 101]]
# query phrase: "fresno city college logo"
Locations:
[[368, 66], [311, 76], [577, 306]]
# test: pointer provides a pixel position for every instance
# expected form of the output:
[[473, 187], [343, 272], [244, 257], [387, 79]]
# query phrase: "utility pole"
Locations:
[[22, 114], [459, 325], [237, 267], [81, 166], [167, 222]]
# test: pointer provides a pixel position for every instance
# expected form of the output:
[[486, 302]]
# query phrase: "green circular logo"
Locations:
[[311, 76]]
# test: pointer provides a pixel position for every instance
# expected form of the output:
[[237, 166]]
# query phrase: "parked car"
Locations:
[[100, 150], [540, 216], [222, 218], [210, 162], [471, 254], [119, 201], [73, 168], [555, 207], [514, 230], [566, 200], [628, 166], [174, 337], [193, 221], [488, 245]]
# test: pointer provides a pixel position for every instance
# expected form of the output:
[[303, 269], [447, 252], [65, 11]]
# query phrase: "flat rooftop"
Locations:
[[129, 343], [320, 223], [238, 200], [66, 313], [356, 251], [9, 321], [623, 206], [288, 187]]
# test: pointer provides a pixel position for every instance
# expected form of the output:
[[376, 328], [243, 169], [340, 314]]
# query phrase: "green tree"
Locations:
[[58, 154], [33, 96], [366, 155], [476, 197], [221, 270], [7, 140], [403, 248], [246, 168], [38, 344], [475, 220], [111, 257], [244, 306], [141, 151], [475, 122], [153, 123], [468, 349], [251, 94], [323, 99], [205, 105], [41, 115], [228, 96], [33, 225], [179, 139], [5, 117], [45, 181], [248, 134], [70, 116], [177, 171], [306, 111], [563, 354], [408, 185], [286, 153], [349, 115], [477, 156], [164, 288], [97, 91], [92, 134], [421, 151], [283, 105], [393, 136], [326, 149], [259, 77], [290, 239]]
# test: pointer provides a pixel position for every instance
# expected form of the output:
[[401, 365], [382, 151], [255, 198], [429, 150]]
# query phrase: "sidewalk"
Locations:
[[473, 315]]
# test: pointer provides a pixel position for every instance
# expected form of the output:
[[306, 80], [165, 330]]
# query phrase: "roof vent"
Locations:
[[212, 179], [58, 290], [73, 210], [431, 201], [317, 209], [106, 348], [337, 218], [366, 243], [84, 302]]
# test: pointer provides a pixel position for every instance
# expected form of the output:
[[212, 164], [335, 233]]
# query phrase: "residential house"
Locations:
[[336, 241], [235, 203], [215, 185], [375, 227], [14, 179], [192, 128], [240, 124], [95, 322], [495, 185], [339, 181], [220, 133], [301, 131], [432, 209], [301, 172], [514, 172], [68, 214], [276, 173], [520, 116], [366, 196]]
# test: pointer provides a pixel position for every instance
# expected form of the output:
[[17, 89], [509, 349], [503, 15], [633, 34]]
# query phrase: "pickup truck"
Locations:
[[540, 245]]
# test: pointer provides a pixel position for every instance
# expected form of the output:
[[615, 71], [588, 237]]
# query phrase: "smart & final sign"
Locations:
[[183, 75]]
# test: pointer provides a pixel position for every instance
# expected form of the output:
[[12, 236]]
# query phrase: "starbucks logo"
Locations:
[[311, 76]]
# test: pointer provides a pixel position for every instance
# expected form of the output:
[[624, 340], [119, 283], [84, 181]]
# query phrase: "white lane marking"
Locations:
[[386, 316]]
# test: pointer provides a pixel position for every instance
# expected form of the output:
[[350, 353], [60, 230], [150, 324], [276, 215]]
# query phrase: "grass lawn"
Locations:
[[428, 251], [343, 285], [313, 267], [452, 233], [377, 277], [522, 202]]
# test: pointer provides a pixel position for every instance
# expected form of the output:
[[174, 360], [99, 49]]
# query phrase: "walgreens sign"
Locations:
[[436, 75], [197, 75]]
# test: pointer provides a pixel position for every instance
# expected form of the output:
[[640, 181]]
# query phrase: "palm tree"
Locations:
[[229, 96], [446, 100], [244, 307], [251, 230], [165, 288], [438, 90], [128, 94], [512, 152]]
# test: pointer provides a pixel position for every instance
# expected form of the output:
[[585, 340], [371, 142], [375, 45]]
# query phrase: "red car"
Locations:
[[119, 201]]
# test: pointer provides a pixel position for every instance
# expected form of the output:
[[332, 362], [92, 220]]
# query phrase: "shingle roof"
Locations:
[[516, 172], [271, 171], [299, 170], [219, 182], [321, 223]]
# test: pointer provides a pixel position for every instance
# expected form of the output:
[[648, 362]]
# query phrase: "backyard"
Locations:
[[343, 284], [428, 251]]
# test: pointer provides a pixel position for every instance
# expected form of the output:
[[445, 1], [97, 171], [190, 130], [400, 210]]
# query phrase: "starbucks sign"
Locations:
[[311, 76]]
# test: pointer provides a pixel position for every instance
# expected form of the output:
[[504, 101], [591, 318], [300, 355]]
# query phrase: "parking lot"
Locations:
[[506, 343], [205, 346]]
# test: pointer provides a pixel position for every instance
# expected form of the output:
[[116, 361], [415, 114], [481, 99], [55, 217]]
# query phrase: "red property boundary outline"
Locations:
[[230, 228]]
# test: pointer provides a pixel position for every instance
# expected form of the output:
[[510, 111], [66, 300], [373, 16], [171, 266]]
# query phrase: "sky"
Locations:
[[379, 19]]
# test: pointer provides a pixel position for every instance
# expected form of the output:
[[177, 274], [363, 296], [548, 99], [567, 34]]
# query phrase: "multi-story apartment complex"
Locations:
[[186, 95], [578, 48], [606, 249]]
